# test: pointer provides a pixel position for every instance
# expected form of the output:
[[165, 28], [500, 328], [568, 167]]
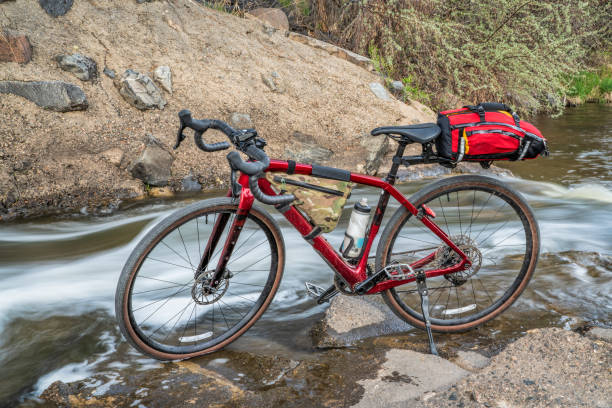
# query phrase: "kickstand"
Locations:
[[422, 287]]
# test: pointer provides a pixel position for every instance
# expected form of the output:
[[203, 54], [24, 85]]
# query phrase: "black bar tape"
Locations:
[[268, 199], [331, 173], [249, 168]]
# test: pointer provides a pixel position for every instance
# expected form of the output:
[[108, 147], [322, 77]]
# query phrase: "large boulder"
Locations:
[[81, 66], [140, 91], [154, 165], [15, 48], [349, 319], [376, 148], [51, 95], [305, 149]]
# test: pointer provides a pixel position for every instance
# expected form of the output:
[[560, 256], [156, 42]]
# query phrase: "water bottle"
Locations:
[[354, 237]]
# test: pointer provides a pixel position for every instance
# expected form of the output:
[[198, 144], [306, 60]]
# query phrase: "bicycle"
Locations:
[[226, 256]]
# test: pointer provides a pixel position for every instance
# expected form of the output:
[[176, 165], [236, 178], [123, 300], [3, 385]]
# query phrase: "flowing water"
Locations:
[[59, 274]]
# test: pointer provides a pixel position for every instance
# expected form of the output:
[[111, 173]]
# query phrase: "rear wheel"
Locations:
[[167, 306], [492, 224]]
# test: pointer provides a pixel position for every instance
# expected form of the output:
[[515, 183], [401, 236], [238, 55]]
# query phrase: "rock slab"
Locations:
[[56, 8], [140, 91], [81, 66], [273, 16], [352, 318], [57, 96], [405, 376], [15, 48]]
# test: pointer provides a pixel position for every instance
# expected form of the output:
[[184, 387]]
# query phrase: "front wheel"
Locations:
[[166, 303], [492, 224]]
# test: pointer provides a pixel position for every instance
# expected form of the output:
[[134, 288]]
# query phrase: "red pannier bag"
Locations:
[[486, 132]]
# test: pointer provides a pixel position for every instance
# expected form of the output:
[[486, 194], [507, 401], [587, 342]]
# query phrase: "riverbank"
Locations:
[[90, 121], [533, 371]]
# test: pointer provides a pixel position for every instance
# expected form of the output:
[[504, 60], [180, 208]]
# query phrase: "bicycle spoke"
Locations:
[[170, 263], [179, 255], [185, 247]]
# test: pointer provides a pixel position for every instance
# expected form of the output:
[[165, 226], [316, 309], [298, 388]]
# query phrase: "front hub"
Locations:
[[205, 292]]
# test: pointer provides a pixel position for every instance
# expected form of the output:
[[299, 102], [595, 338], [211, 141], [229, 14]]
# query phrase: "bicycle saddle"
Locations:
[[421, 133]]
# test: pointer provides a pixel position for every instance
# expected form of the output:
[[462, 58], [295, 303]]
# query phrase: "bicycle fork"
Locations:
[[246, 202]]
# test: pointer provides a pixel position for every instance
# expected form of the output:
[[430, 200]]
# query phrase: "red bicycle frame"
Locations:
[[352, 274]]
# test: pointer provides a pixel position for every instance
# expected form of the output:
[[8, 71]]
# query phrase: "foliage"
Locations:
[[521, 52]]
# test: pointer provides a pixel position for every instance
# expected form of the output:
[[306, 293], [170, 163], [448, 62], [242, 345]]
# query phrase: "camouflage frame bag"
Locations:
[[320, 199]]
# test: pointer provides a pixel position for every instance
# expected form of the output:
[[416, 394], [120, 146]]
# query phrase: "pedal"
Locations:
[[322, 295], [328, 294], [399, 271], [424, 292], [313, 290]]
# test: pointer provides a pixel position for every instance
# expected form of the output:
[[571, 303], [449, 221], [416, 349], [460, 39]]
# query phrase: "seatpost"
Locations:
[[397, 160]]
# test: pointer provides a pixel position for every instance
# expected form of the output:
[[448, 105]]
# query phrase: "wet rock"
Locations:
[[471, 360], [56, 8], [190, 183], [59, 393], [351, 318], [15, 48], [304, 148], [405, 376], [161, 192], [154, 165], [51, 95], [273, 16], [113, 156], [376, 148], [140, 91], [241, 121], [173, 384], [163, 76], [109, 73], [380, 91], [81, 66]]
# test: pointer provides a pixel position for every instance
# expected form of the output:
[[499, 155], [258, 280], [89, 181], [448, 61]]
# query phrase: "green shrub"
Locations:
[[583, 84], [605, 85], [521, 52]]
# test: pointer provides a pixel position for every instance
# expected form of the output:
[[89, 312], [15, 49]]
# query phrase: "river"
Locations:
[[59, 274]]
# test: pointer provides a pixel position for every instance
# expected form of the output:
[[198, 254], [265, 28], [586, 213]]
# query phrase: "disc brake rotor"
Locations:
[[202, 291], [446, 257]]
